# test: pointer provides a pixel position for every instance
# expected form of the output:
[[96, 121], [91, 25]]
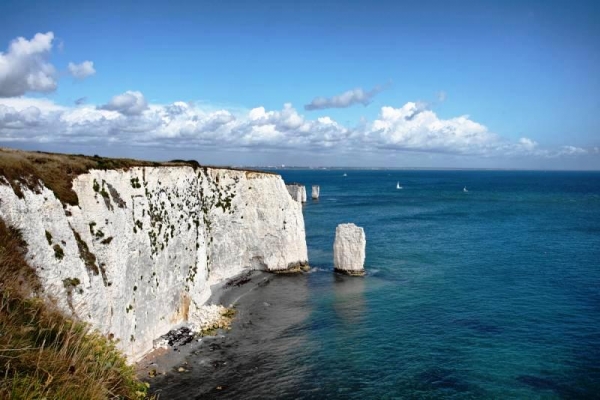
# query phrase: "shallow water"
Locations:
[[494, 293]]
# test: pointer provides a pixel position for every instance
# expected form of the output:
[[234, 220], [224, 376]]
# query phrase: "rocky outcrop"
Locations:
[[138, 254], [349, 249], [316, 190], [297, 191]]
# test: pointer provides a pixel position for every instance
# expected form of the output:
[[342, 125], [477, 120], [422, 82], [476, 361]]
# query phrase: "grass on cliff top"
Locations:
[[57, 171], [43, 353]]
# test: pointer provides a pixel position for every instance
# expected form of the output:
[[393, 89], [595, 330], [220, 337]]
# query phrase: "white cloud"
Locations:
[[572, 151], [45, 105], [128, 103], [13, 119], [412, 127], [83, 70], [346, 99], [527, 144], [129, 120], [25, 67]]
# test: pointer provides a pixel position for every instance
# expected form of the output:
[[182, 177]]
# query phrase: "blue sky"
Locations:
[[426, 84]]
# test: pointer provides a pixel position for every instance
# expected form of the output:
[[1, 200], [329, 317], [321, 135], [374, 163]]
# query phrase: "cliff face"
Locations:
[[140, 251], [297, 191]]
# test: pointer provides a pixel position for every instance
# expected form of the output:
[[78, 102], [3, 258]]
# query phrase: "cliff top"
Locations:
[[57, 171]]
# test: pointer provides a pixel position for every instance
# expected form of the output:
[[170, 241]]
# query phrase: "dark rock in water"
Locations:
[[240, 280], [178, 337], [264, 282], [349, 272]]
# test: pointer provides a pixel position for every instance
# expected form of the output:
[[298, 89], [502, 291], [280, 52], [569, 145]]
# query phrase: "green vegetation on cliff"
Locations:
[[44, 353]]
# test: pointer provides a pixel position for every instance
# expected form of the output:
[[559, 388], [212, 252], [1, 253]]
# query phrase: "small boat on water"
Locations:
[[398, 185], [465, 189], [345, 174]]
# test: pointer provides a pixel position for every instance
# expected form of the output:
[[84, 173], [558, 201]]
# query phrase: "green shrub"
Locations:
[[58, 252]]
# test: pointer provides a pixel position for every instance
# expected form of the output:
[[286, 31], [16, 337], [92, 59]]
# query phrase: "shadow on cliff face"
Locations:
[[259, 349]]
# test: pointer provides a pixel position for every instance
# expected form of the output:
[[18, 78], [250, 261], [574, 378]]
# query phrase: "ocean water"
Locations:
[[490, 293]]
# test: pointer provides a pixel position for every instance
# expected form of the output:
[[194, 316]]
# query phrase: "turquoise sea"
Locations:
[[490, 293]]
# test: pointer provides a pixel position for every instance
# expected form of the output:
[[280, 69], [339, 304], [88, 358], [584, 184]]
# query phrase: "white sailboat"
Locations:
[[398, 185], [465, 189], [345, 174]]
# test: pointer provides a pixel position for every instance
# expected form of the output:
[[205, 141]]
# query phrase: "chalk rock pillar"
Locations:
[[349, 249], [297, 191], [315, 192]]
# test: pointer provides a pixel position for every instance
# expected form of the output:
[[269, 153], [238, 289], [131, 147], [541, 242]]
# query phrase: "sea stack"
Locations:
[[349, 249], [297, 191], [315, 192]]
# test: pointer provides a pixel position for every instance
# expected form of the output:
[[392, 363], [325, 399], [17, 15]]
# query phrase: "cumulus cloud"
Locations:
[[24, 67], [81, 71], [412, 127], [346, 99], [129, 120], [13, 119], [128, 103], [527, 144]]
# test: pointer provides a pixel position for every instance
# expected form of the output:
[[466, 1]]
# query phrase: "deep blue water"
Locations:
[[494, 293]]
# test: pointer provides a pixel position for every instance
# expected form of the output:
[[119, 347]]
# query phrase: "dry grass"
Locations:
[[57, 171], [43, 354]]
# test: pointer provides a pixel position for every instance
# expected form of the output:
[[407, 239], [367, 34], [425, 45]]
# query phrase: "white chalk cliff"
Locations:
[[349, 249], [144, 245], [316, 190], [297, 191]]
